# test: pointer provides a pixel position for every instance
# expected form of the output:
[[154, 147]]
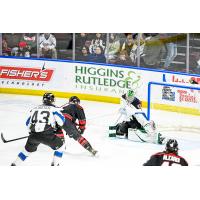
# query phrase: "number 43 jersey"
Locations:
[[45, 118]]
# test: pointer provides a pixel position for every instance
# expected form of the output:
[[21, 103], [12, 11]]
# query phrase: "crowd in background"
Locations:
[[164, 51]]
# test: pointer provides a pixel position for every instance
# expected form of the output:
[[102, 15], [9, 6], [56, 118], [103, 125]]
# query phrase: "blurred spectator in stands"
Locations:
[[11, 41], [122, 39], [124, 58], [154, 51], [47, 46], [132, 47], [112, 48], [83, 56], [82, 39], [6, 51], [23, 49], [128, 44], [137, 46], [170, 41], [98, 56], [197, 70], [98, 41], [31, 41]]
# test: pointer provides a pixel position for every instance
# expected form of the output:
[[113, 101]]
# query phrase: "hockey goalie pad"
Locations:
[[140, 135], [137, 135], [112, 131], [115, 132]]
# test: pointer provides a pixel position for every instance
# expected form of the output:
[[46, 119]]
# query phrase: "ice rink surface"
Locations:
[[117, 172], [14, 110]]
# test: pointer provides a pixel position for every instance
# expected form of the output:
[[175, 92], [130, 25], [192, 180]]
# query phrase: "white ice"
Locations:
[[113, 152]]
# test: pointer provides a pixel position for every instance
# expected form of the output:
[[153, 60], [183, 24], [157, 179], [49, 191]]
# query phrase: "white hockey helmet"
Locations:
[[130, 95]]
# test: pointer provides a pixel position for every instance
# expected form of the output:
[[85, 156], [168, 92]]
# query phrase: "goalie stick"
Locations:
[[5, 141]]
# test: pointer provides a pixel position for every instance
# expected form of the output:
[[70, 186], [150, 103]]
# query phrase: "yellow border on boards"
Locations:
[[184, 110], [90, 97]]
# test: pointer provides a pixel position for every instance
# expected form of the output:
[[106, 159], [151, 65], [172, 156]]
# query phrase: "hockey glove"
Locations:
[[81, 131]]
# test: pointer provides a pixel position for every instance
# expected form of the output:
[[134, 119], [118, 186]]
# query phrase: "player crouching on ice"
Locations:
[[134, 125]]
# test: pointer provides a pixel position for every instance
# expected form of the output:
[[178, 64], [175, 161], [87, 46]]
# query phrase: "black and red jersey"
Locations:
[[75, 112], [166, 159]]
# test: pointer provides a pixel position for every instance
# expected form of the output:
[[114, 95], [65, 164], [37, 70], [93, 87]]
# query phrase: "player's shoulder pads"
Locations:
[[80, 107]]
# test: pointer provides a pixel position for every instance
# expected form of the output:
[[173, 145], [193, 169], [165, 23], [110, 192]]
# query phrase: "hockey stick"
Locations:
[[63, 105], [5, 141], [118, 118]]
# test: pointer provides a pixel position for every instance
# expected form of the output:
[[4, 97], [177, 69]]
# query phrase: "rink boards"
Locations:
[[90, 81]]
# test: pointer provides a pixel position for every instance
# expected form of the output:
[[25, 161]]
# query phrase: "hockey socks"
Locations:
[[83, 142], [86, 145], [21, 158], [57, 156]]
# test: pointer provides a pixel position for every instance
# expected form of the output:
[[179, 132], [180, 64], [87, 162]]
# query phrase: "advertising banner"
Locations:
[[182, 97], [86, 78]]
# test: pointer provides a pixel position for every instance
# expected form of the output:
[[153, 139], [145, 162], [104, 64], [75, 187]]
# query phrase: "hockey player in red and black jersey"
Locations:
[[169, 157], [76, 112], [45, 125], [73, 112]]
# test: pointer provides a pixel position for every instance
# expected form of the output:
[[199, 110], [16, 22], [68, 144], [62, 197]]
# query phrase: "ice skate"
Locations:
[[52, 164], [161, 139], [13, 164], [94, 152]]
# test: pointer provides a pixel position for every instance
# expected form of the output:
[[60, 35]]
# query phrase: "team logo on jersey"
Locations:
[[25, 73]]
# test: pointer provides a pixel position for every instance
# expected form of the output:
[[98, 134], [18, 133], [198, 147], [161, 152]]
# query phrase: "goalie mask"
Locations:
[[172, 146], [130, 95], [48, 98]]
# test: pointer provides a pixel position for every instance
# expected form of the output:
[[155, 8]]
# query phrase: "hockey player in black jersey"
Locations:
[[169, 157], [42, 124], [76, 112], [73, 112]]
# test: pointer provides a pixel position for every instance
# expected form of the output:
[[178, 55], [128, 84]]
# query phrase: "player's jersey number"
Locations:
[[167, 163], [40, 117]]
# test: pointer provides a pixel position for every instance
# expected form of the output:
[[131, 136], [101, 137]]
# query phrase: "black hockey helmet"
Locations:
[[48, 98], [172, 146], [74, 99]]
